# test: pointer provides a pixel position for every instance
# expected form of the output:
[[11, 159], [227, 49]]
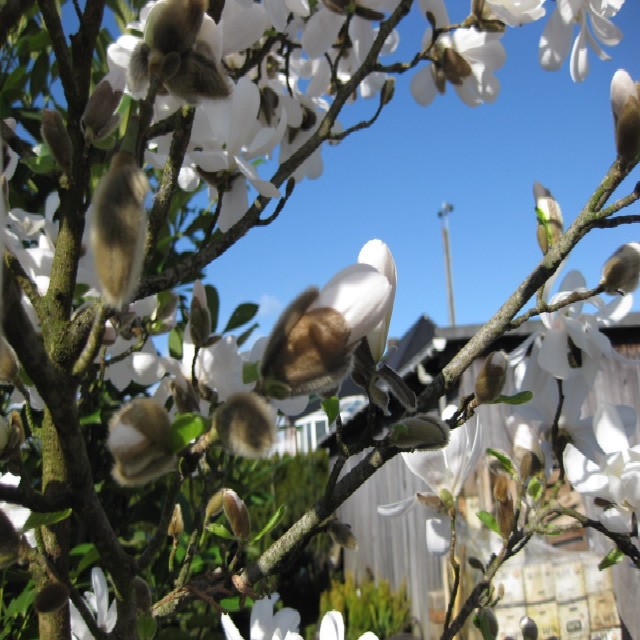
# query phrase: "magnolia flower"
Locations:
[[555, 41], [445, 472], [98, 603], [332, 628], [377, 254], [514, 12], [16, 513], [611, 473], [310, 348], [264, 624], [570, 328]]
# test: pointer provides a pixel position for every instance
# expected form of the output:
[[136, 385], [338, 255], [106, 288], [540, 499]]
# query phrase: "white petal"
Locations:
[[101, 591], [438, 535], [332, 626], [609, 429], [583, 474], [553, 354], [395, 509], [555, 42], [321, 32], [579, 58], [230, 630], [234, 205], [242, 26], [423, 88]]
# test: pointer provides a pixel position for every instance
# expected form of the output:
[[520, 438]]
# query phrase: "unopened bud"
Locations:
[[173, 25], [176, 524], [16, 433], [8, 362], [52, 597], [455, 67], [504, 505], [625, 104], [9, 542], [184, 395], [138, 71], [142, 594], [308, 350], [119, 228], [214, 505], [527, 451], [54, 133], [487, 622], [99, 118], [621, 272], [140, 442], [388, 89], [245, 424], [421, 432], [237, 514], [341, 534], [199, 77], [549, 216], [529, 628], [199, 316], [491, 378]]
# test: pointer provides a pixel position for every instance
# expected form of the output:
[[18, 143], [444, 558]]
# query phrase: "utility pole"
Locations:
[[443, 214]]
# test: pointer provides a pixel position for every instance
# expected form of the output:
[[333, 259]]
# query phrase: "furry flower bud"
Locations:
[[199, 316], [549, 216], [341, 534], [214, 505], [421, 432], [625, 104], [140, 442], [310, 348], [176, 524], [621, 272], [246, 425], [491, 378], [173, 25], [99, 119], [9, 542], [119, 228], [54, 133], [504, 505], [237, 514], [8, 362]]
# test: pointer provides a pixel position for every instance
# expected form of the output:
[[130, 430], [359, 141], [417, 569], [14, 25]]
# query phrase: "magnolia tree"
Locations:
[[112, 448]]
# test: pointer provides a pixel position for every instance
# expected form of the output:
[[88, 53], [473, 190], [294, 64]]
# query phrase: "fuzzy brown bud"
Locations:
[[621, 272], [504, 505], [140, 442], [52, 597], [142, 594], [307, 350], [237, 514], [54, 133], [625, 105], [184, 396], [341, 534], [529, 628], [119, 228], [99, 118], [491, 378], [176, 524], [199, 322], [245, 424], [214, 505], [455, 67], [173, 25]]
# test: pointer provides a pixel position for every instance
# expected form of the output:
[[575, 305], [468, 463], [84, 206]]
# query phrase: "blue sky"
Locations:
[[389, 182]]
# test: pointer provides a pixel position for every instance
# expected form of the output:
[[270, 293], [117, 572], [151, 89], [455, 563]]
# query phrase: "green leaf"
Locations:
[[271, 523], [331, 407], [213, 303], [488, 521], [233, 604], [39, 72], [45, 519], [519, 398], [505, 462], [221, 531], [242, 314], [92, 418], [175, 342], [186, 427], [106, 144], [41, 165], [250, 372], [613, 557], [147, 626], [244, 336], [535, 489]]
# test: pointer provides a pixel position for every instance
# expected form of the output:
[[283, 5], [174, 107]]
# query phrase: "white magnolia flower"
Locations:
[[377, 254], [98, 603], [613, 472], [264, 624], [570, 327], [332, 628], [516, 12], [555, 41], [484, 54], [444, 471]]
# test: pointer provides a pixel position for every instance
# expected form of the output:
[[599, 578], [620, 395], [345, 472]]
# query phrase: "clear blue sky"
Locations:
[[389, 182]]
